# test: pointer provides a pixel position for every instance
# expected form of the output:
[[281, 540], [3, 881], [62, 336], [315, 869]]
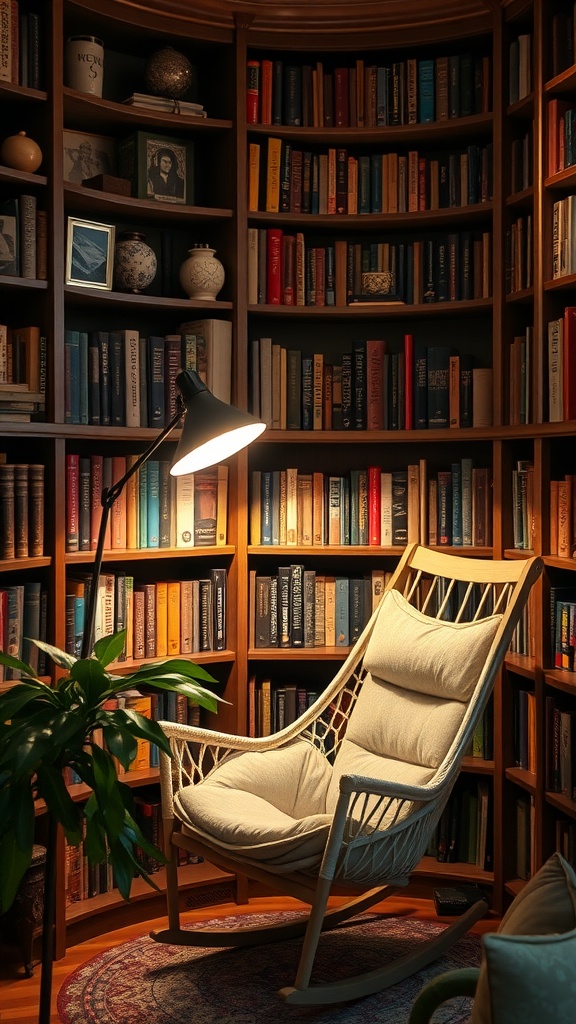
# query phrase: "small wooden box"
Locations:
[[109, 183]]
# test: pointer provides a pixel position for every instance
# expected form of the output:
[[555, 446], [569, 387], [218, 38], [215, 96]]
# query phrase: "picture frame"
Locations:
[[86, 155], [89, 253], [159, 167]]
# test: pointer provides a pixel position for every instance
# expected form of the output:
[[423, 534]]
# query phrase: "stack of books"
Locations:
[[165, 104]]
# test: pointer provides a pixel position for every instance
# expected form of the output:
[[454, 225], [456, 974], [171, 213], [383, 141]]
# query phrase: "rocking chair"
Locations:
[[348, 797]]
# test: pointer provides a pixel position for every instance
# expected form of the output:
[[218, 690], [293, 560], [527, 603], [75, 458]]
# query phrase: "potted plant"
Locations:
[[46, 729]]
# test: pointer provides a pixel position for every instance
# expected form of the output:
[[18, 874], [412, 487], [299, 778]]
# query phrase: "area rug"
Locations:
[[145, 982]]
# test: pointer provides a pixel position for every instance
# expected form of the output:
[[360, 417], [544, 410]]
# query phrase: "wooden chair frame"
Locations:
[[371, 862]]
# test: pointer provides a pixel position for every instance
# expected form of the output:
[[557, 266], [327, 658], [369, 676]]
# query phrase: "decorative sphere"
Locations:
[[20, 152], [168, 73], [135, 262]]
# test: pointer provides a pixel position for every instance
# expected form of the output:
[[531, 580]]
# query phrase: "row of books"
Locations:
[[563, 516], [464, 832], [520, 362], [21, 509], [24, 233], [563, 626], [272, 706], [520, 67], [563, 234], [21, 46], [121, 378], [154, 510], [518, 255], [286, 179], [369, 388], [561, 135], [373, 507], [165, 618], [560, 748], [412, 91], [298, 607], [562, 39], [285, 269], [523, 505], [23, 611], [562, 366]]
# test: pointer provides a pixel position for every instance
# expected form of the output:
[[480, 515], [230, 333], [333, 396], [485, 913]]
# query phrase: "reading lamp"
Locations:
[[212, 431]]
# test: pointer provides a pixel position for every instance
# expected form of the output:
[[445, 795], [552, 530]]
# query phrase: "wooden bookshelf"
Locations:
[[486, 326]]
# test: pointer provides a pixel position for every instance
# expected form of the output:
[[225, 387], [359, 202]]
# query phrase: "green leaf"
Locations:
[[121, 743], [92, 678], [162, 669], [11, 662], [59, 657], [107, 792], [17, 811], [178, 684], [52, 788], [20, 696], [108, 648], [140, 726]]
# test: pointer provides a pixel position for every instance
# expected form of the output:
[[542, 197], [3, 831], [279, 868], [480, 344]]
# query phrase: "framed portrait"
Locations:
[[89, 253], [8, 244], [159, 167], [86, 155]]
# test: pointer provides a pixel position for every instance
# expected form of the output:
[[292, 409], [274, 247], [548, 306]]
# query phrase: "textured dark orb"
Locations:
[[168, 73]]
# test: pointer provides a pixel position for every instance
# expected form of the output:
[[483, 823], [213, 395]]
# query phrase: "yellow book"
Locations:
[[136, 701], [330, 611], [253, 176], [161, 620], [273, 175], [131, 505], [173, 618]]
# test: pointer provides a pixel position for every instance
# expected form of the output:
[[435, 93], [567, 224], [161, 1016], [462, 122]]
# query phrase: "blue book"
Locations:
[[72, 377], [93, 379], [266, 508], [143, 506], [341, 612], [117, 379], [456, 470], [155, 381], [425, 91], [83, 383], [105, 387], [153, 505]]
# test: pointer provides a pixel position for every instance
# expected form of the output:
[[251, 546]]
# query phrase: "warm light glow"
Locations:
[[217, 449]]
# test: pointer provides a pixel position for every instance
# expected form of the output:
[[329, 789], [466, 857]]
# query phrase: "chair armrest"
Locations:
[[381, 787], [461, 982]]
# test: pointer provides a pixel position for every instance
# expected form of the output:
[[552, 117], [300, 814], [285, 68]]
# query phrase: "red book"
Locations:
[[266, 92], [96, 476], [375, 350], [408, 381], [72, 503], [569, 363], [274, 266], [252, 91], [374, 475]]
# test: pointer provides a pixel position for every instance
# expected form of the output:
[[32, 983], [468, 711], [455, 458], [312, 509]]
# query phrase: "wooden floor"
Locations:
[[19, 996]]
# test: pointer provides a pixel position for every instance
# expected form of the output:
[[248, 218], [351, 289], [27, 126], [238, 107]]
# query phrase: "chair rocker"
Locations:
[[347, 798]]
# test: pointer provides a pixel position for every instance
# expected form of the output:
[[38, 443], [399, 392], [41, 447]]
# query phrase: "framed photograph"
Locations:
[[8, 245], [160, 168], [86, 155], [89, 253]]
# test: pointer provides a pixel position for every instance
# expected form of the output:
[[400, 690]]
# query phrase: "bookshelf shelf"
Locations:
[[268, 654], [561, 84], [93, 297], [144, 554], [562, 803], [96, 113], [89, 200], [475, 126], [379, 310], [561, 680], [378, 221], [9, 174], [525, 779]]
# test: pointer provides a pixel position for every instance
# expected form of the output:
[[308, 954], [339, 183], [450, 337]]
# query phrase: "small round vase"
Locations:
[[201, 275], [20, 152], [168, 73], [135, 263]]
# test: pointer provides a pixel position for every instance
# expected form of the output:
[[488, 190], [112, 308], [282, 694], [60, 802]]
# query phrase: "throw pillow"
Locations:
[[532, 978], [546, 906]]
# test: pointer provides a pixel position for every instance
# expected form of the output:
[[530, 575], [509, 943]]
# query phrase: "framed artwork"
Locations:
[[89, 253], [86, 155], [159, 167], [8, 245]]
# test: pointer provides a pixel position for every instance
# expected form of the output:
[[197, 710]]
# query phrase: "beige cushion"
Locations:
[[532, 978], [265, 806], [413, 651], [546, 905]]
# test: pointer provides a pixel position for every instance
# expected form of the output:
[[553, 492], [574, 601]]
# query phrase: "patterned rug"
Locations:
[[145, 982]]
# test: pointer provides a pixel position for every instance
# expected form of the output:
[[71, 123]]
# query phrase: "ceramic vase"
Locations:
[[201, 275], [135, 263], [85, 64], [20, 152]]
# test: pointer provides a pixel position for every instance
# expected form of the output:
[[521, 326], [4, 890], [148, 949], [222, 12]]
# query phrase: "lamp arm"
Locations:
[[109, 496]]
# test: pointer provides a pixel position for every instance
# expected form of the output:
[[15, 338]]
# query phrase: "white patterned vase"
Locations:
[[201, 275], [135, 263]]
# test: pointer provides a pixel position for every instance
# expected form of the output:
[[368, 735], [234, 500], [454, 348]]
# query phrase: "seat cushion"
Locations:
[[268, 806], [545, 906], [416, 652]]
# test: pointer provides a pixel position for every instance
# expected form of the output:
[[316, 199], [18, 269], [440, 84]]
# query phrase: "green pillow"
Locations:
[[532, 978], [546, 905]]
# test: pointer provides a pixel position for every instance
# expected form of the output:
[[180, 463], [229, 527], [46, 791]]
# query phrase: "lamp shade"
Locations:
[[212, 430]]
